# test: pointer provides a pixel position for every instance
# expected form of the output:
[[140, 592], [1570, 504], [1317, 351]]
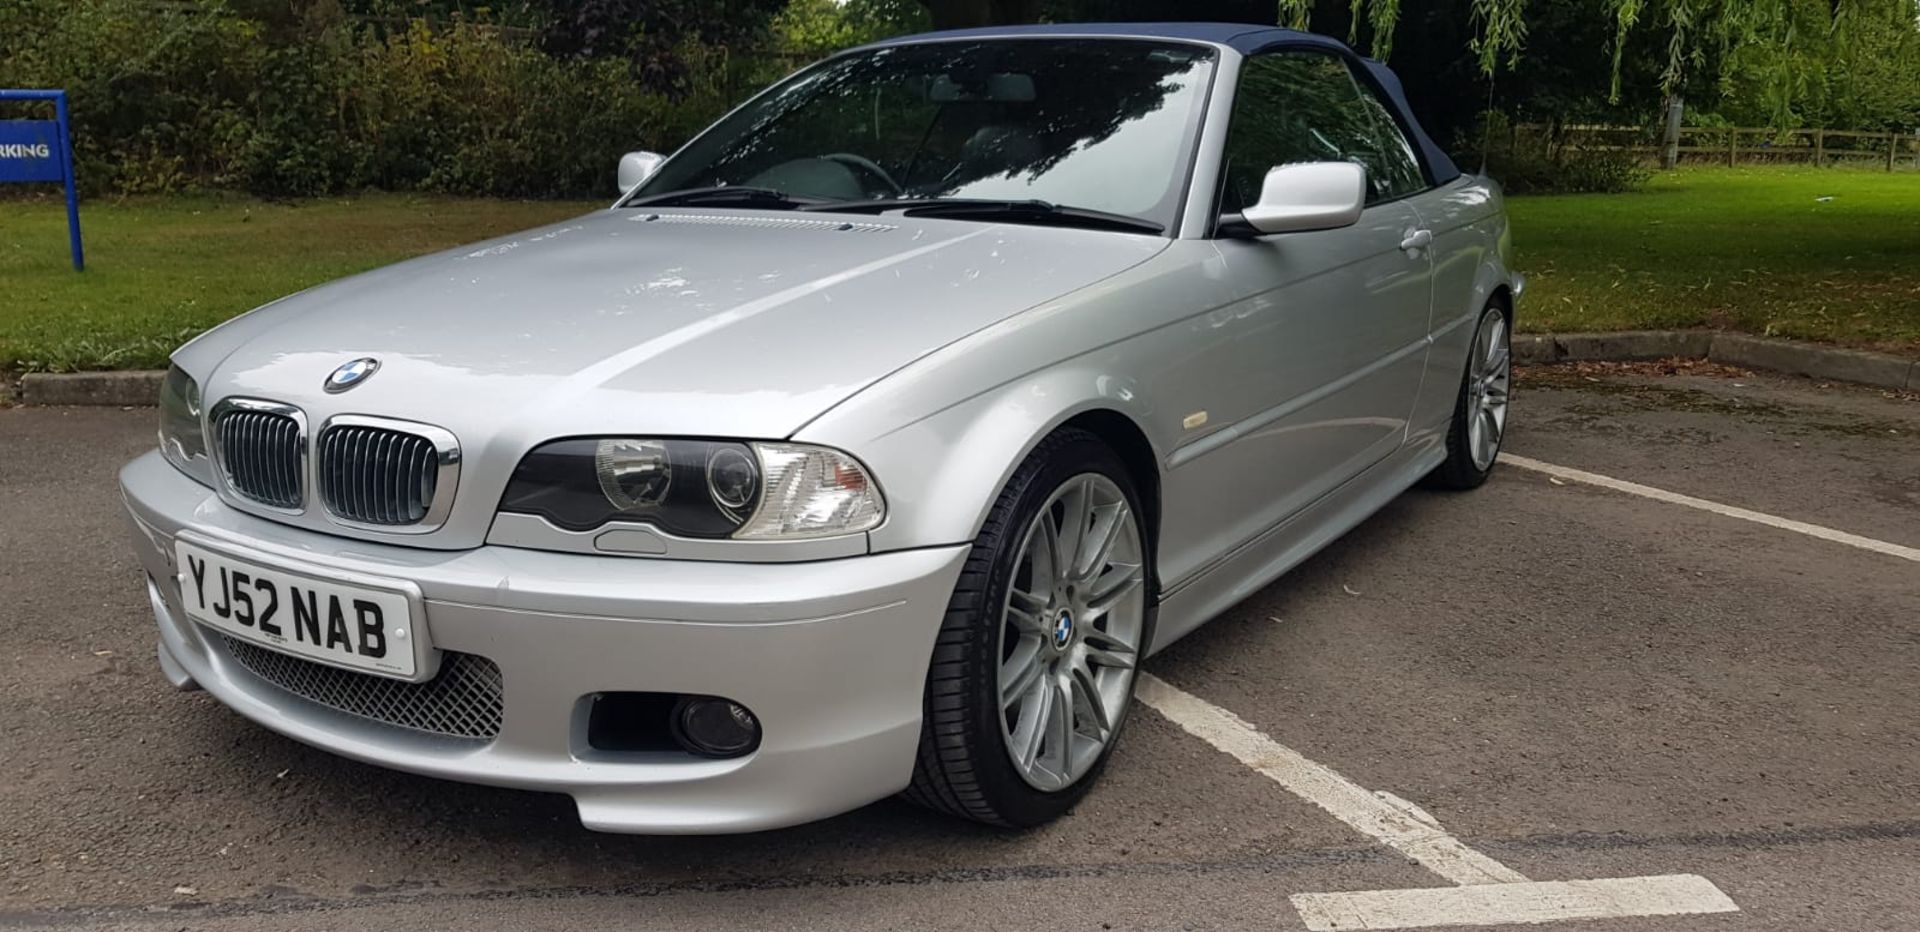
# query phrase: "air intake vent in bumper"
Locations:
[[463, 700]]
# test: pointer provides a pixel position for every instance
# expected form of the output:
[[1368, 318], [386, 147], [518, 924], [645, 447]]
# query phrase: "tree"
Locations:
[[961, 14], [655, 34], [1863, 73], [815, 28], [1788, 62]]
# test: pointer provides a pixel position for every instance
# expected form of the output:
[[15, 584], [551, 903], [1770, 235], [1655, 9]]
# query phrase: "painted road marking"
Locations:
[[1508, 903], [1675, 498], [1490, 892], [1396, 823]]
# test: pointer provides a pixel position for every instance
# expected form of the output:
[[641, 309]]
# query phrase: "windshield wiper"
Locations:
[[732, 195], [1011, 211]]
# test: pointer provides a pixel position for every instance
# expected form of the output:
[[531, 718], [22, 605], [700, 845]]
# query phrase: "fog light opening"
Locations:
[[712, 727]]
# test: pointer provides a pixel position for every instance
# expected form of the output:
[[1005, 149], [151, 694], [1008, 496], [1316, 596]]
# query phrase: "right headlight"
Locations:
[[697, 488], [183, 436]]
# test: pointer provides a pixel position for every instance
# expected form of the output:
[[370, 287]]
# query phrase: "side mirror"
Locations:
[[636, 167], [1305, 196]]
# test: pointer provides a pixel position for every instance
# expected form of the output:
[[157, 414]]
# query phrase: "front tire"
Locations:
[[1480, 412], [1034, 666]]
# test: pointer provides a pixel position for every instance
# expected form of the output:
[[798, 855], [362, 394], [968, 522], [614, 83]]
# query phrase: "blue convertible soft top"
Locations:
[[1243, 38]]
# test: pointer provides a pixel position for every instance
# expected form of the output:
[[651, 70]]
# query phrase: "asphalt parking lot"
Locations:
[[1564, 681]]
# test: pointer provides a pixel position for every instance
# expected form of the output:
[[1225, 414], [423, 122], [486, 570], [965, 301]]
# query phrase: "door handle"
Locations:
[[1417, 239]]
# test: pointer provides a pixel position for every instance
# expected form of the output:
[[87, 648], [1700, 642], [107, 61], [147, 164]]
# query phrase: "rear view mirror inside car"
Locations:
[[997, 88]]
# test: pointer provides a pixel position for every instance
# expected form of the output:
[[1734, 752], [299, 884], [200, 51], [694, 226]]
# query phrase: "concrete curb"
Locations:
[[1833, 363], [1821, 362], [118, 389]]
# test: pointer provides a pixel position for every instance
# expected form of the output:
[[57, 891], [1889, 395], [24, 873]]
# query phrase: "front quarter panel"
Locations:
[[941, 474], [943, 435]]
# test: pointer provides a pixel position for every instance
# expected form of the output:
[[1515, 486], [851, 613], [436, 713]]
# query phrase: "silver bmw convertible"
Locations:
[[866, 445]]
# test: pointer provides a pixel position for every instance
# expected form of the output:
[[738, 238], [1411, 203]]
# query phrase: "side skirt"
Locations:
[[1262, 560]]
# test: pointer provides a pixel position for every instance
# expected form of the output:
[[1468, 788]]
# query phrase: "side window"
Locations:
[[1397, 166], [1306, 107]]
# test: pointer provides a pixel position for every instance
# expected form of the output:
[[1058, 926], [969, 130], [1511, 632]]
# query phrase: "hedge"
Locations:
[[168, 96]]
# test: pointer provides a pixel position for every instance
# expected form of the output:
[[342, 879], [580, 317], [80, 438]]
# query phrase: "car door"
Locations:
[[1333, 323]]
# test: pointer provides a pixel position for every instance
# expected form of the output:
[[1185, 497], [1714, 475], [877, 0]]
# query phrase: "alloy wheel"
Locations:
[[1070, 632], [1489, 381]]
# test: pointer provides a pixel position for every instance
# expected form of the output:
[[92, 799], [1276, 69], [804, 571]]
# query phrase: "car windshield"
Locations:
[[1100, 124]]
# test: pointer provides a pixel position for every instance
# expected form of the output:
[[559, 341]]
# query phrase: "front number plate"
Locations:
[[344, 625]]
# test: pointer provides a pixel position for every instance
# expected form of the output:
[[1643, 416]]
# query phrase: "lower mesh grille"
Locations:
[[463, 701]]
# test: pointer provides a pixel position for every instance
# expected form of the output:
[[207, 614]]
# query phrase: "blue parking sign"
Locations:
[[42, 151], [30, 151]]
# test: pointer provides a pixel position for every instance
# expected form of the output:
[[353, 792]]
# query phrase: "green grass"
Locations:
[[161, 270], [1750, 249], [1744, 249]]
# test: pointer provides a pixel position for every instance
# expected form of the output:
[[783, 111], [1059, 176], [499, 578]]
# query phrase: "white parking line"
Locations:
[[1398, 824], [1675, 498], [1490, 892], [1510, 903]]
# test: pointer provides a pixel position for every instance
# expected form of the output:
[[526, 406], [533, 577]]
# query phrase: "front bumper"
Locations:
[[831, 656]]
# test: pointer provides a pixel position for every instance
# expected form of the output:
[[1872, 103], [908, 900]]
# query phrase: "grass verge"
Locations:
[[161, 270], [1816, 254]]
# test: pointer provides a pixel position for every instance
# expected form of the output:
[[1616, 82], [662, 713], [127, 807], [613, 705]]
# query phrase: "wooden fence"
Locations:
[[1726, 145]]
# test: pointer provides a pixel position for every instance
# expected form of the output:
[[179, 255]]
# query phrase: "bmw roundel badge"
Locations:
[[352, 373]]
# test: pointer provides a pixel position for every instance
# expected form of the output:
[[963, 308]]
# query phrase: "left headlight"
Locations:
[[183, 436], [697, 488]]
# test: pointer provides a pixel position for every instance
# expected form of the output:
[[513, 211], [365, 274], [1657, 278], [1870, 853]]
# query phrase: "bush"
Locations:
[[1536, 163], [165, 97], [155, 95]]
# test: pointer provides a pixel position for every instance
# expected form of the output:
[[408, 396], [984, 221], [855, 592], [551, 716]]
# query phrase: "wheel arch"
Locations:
[[1502, 298], [1130, 443], [1492, 285]]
